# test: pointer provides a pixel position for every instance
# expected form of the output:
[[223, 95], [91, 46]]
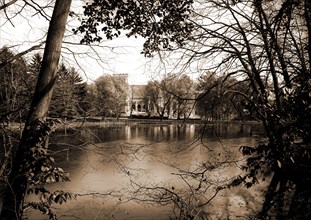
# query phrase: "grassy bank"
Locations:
[[91, 122]]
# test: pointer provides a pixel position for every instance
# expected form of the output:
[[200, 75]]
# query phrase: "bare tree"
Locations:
[[263, 43], [266, 44], [18, 179], [18, 16]]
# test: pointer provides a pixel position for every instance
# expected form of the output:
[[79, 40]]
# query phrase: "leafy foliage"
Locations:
[[182, 91], [111, 94], [156, 98], [39, 169], [223, 98], [172, 96], [47, 199], [163, 23], [264, 43], [69, 92], [25, 159], [15, 87], [38, 166], [275, 56]]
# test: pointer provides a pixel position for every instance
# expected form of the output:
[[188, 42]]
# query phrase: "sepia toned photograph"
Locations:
[[155, 110]]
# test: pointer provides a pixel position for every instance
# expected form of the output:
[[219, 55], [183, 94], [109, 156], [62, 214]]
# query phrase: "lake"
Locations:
[[145, 171]]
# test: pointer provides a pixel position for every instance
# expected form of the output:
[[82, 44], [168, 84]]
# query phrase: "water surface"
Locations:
[[108, 163]]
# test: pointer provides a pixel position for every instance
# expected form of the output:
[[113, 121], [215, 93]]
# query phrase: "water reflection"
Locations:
[[130, 132], [107, 161]]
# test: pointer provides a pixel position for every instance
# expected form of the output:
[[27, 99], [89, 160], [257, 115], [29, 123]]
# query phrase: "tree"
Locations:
[[34, 69], [22, 162], [15, 88], [222, 98], [119, 92], [157, 97], [68, 93], [164, 24], [152, 96], [183, 96], [208, 103], [89, 105], [171, 96], [267, 44], [264, 43], [112, 94], [14, 10]]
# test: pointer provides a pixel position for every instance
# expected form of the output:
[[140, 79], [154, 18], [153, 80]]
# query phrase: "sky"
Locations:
[[120, 55]]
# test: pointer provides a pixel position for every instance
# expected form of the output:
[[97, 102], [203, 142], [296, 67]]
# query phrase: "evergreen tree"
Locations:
[[15, 88], [68, 94]]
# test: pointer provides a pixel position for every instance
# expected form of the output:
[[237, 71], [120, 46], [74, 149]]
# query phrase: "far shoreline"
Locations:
[[61, 124]]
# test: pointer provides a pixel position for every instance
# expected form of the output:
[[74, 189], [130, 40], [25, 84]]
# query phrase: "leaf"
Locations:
[[29, 191], [51, 198], [279, 164], [44, 197], [52, 159], [58, 199], [44, 168], [64, 197], [50, 179]]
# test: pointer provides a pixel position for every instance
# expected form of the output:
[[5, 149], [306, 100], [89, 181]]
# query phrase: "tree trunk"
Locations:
[[308, 22], [17, 182], [270, 194]]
